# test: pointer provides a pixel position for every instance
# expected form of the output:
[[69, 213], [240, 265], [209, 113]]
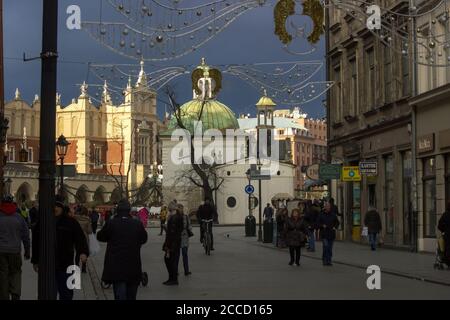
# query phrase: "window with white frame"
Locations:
[[98, 157], [143, 148], [11, 153], [30, 154]]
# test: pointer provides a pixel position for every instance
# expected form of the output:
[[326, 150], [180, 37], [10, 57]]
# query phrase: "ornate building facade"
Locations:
[[369, 118], [107, 141]]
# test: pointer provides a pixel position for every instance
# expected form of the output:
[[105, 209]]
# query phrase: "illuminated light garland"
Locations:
[[162, 40], [289, 82]]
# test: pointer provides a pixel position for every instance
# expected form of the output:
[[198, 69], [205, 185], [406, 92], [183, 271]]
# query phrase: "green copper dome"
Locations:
[[215, 115]]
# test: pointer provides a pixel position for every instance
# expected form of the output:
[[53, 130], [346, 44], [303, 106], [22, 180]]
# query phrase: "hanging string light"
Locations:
[[157, 32], [288, 82]]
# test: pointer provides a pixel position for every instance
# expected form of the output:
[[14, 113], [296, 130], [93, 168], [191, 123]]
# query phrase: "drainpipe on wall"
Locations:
[[415, 213]]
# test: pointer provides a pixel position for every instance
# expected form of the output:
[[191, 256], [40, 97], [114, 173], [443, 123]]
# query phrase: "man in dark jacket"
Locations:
[[172, 246], [94, 216], [328, 223], [444, 227], [372, 221], [34, 213], [268, 213], [311, 217], [70, 239], [206, 212], [13, 232], [123, 266]]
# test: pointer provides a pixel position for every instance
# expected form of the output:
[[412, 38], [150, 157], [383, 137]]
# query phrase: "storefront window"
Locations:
[[429, 197], [407, 197], [389, 193]]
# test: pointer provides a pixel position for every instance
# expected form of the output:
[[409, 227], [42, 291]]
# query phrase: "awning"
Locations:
[[282, 196], [314, 183]]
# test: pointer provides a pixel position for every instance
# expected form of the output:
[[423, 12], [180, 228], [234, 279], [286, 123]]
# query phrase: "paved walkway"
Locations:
[[397, 262], [242, 268]]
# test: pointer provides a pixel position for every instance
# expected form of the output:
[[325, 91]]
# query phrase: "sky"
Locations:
[[249, 39]]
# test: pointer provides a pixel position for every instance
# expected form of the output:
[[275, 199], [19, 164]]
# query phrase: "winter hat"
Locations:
[[123, 207]]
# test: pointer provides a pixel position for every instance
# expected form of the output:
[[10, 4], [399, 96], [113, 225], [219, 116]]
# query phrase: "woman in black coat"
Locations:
[[70, 240], [172, 245], [295, 230], [123, 266]]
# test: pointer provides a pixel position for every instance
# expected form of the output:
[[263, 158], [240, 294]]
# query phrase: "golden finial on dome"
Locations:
[[206, 79]]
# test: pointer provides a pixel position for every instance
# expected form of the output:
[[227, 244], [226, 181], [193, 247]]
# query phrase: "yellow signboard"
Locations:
[[351, 174]]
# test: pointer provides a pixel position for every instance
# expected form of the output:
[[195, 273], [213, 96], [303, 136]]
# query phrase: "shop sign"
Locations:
[[351, 173], [425, 143]]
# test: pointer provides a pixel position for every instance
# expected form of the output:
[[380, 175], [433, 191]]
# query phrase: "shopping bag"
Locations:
[[365, 232], [94, 246]]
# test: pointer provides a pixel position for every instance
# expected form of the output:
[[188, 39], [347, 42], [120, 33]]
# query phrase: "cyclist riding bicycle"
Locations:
[[206, 212]]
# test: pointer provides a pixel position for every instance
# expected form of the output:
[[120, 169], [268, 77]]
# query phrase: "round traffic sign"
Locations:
[[249, 189]]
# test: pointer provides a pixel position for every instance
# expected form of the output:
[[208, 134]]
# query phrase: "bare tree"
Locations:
[[201, 175]]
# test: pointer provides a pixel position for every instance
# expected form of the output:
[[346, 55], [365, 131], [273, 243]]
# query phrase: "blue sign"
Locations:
[[249, 189]]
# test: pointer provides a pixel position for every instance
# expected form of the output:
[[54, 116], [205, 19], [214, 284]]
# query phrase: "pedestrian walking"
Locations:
[[295, 230], [94, 216], [268, 213], [172, 206], [34, 214], [444, 227], [162, 218], [206, 211], [82, 216], [123, 266], [282, 215], [143, 216], [13, 232], [172, 246], [70, 240], [25, 214], [185, 235], [311, 220], [315, 213], [328, 222], [372, 221]]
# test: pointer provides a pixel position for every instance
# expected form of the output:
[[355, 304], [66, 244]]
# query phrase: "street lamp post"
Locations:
[[62, 146], [3, 120], [47, 240]]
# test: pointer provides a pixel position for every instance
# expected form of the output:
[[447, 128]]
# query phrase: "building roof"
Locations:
[[214, 115], [279, 122]]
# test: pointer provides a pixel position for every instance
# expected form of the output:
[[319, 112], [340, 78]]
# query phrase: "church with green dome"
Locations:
[[230, 155]]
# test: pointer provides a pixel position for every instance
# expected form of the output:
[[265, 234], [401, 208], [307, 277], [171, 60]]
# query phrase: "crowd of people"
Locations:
[[308, 222], [124, 233]]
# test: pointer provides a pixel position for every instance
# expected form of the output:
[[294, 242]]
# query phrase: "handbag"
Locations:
[[94, 246], [190, 234], [365, 232]]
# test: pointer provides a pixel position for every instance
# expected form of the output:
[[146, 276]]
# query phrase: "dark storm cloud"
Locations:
[[249, 39]]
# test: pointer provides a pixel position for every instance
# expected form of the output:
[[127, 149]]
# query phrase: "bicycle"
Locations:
[[207, 236]]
